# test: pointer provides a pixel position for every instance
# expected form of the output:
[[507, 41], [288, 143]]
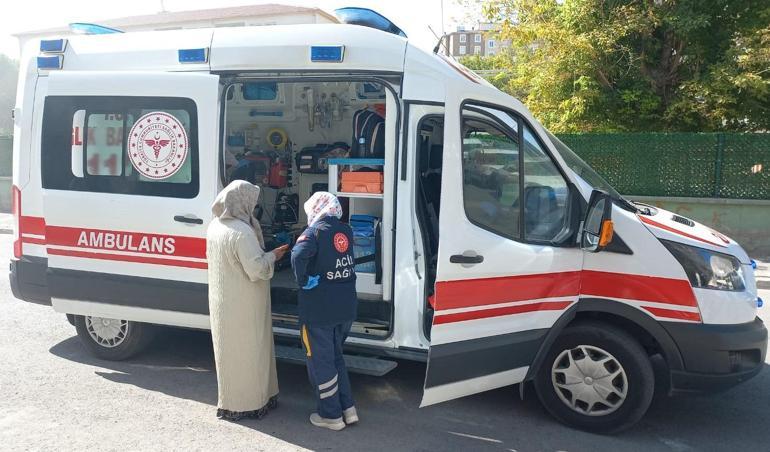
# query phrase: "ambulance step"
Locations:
[[357, 364]]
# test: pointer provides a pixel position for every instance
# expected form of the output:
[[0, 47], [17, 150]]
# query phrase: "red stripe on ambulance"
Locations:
[[498, 312], [638, 287], [672, 314], [32, 225], [677, 231], [128, 258], [165, 245], [487, 291]]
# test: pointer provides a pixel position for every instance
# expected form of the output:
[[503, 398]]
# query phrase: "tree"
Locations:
[[662, 65], [9, 72]]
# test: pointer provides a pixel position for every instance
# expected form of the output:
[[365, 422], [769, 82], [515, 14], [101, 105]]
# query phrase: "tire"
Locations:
[[132, 337], [602, 348]]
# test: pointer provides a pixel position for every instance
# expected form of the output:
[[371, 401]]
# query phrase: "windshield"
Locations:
[[582, 169]]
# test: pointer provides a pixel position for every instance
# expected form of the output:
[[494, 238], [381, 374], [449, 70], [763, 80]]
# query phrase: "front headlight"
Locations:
[[708, 269]]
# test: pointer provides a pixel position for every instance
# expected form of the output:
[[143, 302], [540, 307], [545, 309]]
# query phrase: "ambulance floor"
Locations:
[[373, 315]]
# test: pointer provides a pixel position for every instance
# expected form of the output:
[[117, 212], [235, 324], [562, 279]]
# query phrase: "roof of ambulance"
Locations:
[[266, 48]]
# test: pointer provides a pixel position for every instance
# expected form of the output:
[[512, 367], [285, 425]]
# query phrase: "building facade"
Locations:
[[479, 40]]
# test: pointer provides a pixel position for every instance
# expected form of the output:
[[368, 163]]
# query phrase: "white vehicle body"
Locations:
[[495, 317]]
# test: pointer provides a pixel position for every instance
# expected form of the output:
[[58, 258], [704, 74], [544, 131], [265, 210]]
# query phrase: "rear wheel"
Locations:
[[112, 339], [596, 377]]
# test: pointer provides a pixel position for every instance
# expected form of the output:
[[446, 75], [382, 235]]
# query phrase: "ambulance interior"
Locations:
[[295, 138]]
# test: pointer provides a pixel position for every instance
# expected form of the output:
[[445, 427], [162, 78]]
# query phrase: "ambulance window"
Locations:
[[104, 144], [127, 145], [528, 204], [490, 176]]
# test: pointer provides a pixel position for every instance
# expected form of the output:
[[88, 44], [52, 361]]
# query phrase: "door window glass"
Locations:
[[126, 145], [545, 192], [512, 189], [490, 175]]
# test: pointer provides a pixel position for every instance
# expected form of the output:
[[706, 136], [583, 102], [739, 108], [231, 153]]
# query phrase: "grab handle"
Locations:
[[188, 220]]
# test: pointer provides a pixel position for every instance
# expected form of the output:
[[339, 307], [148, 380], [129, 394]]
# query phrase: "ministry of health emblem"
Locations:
[[157, 145]]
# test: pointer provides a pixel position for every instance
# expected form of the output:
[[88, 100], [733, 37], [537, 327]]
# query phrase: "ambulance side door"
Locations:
[[129, 171], [506, 270]]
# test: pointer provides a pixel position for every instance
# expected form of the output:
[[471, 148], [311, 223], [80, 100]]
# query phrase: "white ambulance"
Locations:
[[500, 257]]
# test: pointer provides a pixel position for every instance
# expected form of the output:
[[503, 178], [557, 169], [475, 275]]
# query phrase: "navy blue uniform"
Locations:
[[327, 311]]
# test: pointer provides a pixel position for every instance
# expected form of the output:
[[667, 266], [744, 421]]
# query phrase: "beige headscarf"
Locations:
[[237, 201]]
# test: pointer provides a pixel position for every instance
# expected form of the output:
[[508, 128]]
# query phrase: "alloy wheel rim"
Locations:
[[589, 380], [106, 332]]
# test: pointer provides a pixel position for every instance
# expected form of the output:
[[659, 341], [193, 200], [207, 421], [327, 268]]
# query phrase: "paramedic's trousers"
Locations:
[[326, 368]]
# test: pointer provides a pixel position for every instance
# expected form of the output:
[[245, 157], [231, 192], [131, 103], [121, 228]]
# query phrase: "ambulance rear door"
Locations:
[[128, 164], [507, 267]]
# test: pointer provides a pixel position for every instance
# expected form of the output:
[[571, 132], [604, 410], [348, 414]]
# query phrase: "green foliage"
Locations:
[[663, 65], [9, 71]]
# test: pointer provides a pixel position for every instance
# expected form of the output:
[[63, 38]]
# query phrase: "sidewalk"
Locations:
[[6, 223]]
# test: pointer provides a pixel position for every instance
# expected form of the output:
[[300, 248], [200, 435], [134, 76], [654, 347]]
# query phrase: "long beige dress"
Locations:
[[239, 302]]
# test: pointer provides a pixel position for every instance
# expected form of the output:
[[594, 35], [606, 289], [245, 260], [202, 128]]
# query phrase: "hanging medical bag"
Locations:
[[368, 135], [315, 159]]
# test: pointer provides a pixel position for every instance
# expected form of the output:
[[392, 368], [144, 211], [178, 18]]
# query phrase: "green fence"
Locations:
[[701, 165]]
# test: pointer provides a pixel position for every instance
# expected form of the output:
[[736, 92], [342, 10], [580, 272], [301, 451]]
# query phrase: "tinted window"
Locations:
[[127, 145], [496, 146]]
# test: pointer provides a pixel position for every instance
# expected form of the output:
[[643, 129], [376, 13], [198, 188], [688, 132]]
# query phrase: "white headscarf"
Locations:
[[320, 205], [237, 201]]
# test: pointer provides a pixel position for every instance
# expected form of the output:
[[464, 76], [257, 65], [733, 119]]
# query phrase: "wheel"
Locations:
[[596, 377], [112, 339]]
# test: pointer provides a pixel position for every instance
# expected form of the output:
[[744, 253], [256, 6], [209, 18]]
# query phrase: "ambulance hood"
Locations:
[[677, 228]]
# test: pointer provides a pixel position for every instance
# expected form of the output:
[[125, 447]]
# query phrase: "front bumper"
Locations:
[[717, 357]]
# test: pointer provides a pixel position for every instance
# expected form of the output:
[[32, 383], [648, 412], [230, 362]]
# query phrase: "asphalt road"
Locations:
[[55, 396]]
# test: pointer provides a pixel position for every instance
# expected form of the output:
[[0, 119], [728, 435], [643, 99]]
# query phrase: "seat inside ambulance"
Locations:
[[295, 138]]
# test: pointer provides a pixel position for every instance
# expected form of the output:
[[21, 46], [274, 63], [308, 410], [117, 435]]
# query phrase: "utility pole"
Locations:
[[443, 32]]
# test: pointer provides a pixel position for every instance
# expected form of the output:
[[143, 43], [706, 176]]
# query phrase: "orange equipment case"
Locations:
[[362, 182]]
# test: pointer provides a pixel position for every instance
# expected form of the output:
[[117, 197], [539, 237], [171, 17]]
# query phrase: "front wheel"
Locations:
[[112, 339], [596, 377]]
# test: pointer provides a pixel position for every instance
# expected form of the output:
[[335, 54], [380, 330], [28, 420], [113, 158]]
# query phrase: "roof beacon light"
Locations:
[[81, 28], [327, 54], [53, 45], [367, 18], [50, 62], [194, 55]]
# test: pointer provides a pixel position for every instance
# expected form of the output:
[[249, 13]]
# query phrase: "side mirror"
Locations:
[[597, 228]]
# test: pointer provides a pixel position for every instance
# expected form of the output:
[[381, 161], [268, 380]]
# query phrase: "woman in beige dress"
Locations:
[[239, 304]]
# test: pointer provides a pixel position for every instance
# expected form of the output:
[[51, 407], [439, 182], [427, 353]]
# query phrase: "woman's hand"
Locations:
[[280, 251]]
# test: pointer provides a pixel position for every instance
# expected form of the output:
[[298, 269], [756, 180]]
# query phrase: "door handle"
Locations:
[[462, 259], [188, 220]]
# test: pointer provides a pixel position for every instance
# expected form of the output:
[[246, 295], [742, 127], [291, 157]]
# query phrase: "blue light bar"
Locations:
[[50, 62], [53, 45], [193, 55], [327, 54]]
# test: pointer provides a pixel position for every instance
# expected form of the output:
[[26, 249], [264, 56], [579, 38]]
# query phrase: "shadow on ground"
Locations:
[[180, 364]]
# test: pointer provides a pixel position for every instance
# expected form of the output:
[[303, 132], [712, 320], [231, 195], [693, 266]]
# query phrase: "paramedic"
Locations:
[[323, 264], [239, 273]]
